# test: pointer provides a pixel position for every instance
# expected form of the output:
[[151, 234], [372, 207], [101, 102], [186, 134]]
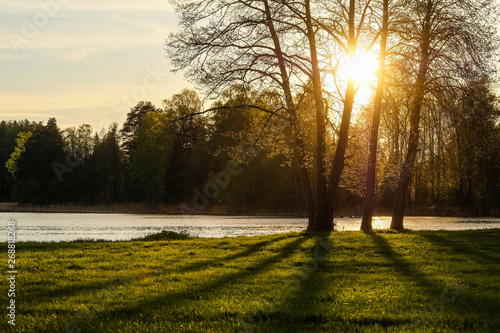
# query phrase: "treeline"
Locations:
[[242, 159], [169, 155]]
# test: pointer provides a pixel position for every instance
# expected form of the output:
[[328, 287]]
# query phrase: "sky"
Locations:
[[84, 61]]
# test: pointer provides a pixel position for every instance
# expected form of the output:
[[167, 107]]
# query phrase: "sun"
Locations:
[[361, 67]]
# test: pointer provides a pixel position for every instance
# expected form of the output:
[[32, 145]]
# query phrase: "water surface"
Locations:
[[56, 227]]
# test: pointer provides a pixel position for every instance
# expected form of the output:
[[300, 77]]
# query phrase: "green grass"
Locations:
[[300, 282]]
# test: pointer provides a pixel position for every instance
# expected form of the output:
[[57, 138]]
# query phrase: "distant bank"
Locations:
[[221, 210], [127, 208], [119, 208]]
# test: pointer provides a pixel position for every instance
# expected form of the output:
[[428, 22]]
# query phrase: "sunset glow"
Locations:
[[361, 67]]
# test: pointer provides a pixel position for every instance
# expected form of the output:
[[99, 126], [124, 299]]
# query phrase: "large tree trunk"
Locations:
[[320, 222], [366, 223], [339, 159], [407, 168]]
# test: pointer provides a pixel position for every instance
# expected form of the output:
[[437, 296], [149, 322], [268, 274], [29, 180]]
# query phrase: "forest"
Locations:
[[289, 129], [165, 155]]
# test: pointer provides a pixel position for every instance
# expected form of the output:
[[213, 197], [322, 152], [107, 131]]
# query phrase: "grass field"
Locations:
[[300, 282]]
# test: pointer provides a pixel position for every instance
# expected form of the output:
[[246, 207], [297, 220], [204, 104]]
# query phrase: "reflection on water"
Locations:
[[49, 227]]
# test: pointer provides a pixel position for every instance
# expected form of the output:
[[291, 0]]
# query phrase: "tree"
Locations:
[[183, 111], [130, 126], [366, 223], [151, 156], [163, 147], [445, 37], [477, 142], [187, 167], [276, 45], [242, 44], [267, 176], [79, 142], [78, 170], [35, 179], [108, 161], [11, 164], [346, 30]]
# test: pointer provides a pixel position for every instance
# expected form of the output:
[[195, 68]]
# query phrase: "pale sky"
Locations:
[[84, 61]]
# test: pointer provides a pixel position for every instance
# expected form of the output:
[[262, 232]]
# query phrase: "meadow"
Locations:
[[412, 281]]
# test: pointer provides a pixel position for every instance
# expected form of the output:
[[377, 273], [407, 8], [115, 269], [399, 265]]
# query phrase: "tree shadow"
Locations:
[[308, 306], [44, 294], [197, 292], [441, 293], [404, 267], [287, 309], [481, 249], [204, 264]]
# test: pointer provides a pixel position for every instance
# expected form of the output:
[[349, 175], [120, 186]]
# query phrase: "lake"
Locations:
[[57, 227]]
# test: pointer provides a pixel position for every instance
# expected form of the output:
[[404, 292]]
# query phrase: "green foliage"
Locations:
[[298, 282], [151, 156], [11, 164], [456, 171], [79, 141], [476, 152], [36, 180], [131, 125], [9, 131]]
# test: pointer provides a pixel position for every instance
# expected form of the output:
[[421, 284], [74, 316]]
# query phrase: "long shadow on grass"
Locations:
[[442, 294], [481, 249], [204, 264], [306, 300], [197, 291], [404, 267], [289, 309], [45, 294], [73, 289], [479, 295], [312, 291], [308, 306]]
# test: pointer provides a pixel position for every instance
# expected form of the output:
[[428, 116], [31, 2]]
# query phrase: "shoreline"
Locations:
[[182, 209], [165, 235], [129, 208]]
